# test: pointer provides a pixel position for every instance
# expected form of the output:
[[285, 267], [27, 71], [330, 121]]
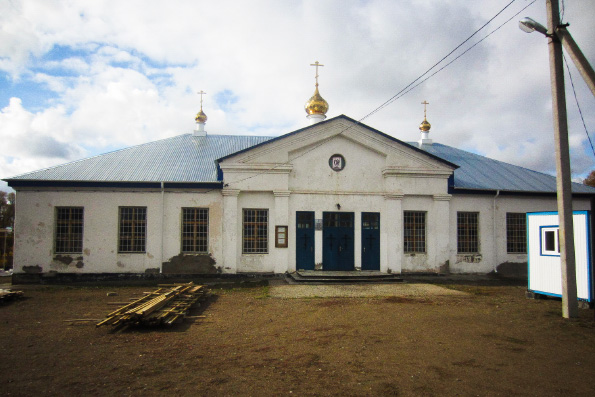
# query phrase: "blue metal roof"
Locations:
[[477, 172], [190, 159], [183, 158]]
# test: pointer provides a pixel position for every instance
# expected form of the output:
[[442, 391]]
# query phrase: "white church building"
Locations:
[[336, 195]]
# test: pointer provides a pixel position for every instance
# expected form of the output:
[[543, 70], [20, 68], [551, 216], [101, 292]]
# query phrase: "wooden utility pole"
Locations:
[[563, 179]]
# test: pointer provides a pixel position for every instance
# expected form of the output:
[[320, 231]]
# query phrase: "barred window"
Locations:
[[516, 234], [69, 230], [414, 232], [132, 236], [467, 232], [195, 230], [255, 231]]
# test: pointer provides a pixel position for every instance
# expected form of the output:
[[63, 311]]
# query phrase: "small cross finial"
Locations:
[[201, 93], [317, 64], [425, 103]]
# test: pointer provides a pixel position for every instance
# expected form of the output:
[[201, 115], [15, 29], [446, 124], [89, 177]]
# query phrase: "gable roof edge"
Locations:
[[349, 119]]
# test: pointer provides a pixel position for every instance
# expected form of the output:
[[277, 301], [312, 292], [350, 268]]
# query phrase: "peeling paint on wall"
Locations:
[[64, 259], [191, 264], [510, 269], [32, 269], [444, 268]]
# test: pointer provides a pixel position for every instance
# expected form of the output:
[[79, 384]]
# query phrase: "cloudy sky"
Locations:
[[80, 78]]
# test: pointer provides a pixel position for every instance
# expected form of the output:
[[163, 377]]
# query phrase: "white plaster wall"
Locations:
[[319, 203], [257, 262], [492, 236], [34, 229], [437, 219], [174, 202], [362, 172]]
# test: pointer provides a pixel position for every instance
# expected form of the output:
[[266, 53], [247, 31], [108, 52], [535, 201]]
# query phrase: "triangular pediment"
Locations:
[[340, 133]]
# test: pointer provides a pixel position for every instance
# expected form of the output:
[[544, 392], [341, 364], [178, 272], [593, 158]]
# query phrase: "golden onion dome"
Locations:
[[316, 104], [201, 117], [425, 126]]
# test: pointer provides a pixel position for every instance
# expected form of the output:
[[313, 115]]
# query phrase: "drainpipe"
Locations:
[[162, 221], [494, 229]]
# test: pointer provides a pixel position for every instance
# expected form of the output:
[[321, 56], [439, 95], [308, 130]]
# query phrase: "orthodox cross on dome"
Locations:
[[425, 126], [201, 117], [317, 64], [201, 93], [425, 103]]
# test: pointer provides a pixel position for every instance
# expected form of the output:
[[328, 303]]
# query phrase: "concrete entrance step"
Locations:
[[317, 276]]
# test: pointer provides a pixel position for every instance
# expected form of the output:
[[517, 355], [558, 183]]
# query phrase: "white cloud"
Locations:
[[29, 140], [133, 69]]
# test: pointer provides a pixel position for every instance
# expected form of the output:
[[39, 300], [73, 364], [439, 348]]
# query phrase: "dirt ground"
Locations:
[[492, 341]]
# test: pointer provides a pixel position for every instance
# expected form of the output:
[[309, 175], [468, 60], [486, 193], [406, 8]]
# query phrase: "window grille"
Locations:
[[467, 232], [69, 230], [255, 228], [414, 231], [516, 233], [195, 230], [133, 229]]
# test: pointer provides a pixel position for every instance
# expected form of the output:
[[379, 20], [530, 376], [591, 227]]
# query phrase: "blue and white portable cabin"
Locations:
[[545, 270]]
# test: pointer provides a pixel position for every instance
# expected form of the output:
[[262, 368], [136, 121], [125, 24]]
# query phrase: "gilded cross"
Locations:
[[317, 64], [425, 103], [201, 93]]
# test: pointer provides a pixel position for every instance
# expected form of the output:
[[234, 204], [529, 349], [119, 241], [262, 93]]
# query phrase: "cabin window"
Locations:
[[550, 241], [516, 233], [195, 230], [69, 230], [468, 232], [255, 231], [414, 232], [132, 235]]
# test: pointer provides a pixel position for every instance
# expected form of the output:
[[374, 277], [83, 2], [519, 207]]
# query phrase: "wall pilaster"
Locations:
[[391, 229], [281, 218], [231, 226], [439, 229]]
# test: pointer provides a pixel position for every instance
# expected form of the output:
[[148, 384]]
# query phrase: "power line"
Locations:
[[464, 52], [578, 105], [396, 96], [403, 91]]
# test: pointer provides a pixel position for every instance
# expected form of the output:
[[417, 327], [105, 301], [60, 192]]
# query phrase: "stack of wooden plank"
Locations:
[[7, 295], [166, 305]]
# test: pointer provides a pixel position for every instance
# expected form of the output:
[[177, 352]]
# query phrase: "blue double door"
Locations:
[[337, 241]]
